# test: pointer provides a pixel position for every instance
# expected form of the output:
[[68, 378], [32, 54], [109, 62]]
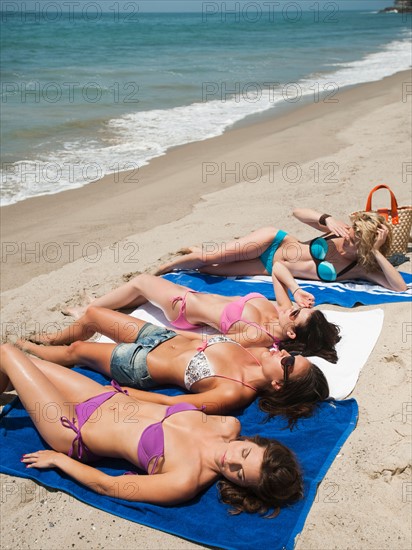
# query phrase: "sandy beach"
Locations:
[[321, 155]]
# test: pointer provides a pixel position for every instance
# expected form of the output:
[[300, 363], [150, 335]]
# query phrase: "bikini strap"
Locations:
[[203, 346], [117, 387], [234, 380], [182, 299], [72, 426], [253, 324], [347, 268], [152, 469]]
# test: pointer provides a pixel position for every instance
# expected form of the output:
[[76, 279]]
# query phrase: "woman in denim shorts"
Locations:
[[221, 374]]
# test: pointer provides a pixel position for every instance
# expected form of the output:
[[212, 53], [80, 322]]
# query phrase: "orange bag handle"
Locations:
[[384, 211]]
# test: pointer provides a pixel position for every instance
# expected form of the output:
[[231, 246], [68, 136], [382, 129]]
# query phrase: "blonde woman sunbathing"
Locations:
[[344, 252]]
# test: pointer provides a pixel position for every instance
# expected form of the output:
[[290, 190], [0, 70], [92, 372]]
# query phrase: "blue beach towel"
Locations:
[[345, 294], [316, 441]]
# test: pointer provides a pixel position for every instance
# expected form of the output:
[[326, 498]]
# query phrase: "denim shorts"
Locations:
[[128, 363]]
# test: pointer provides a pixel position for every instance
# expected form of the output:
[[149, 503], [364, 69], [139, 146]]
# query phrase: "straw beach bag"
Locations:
[[399, 217]]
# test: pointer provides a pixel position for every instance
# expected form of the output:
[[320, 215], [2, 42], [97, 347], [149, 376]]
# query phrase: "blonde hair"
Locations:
[[365, 226]]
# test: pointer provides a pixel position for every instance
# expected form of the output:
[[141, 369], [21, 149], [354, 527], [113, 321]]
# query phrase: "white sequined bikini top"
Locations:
[[199, 367]]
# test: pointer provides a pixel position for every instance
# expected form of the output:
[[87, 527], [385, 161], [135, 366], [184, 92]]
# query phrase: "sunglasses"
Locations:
[[288, 364]]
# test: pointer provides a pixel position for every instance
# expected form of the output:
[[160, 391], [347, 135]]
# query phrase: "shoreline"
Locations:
[[62, 236]]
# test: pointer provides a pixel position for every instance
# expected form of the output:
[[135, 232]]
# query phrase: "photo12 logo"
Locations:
[[69, 92], [73, 12], [53, 252], [272, 12]]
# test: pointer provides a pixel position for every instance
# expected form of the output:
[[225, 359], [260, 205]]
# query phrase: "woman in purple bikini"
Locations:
[[181, 451], [344, 252]]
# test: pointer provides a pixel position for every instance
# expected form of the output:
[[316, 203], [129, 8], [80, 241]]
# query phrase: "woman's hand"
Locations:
[[337, 227], [41, 459], [382, 234], [303, 298]]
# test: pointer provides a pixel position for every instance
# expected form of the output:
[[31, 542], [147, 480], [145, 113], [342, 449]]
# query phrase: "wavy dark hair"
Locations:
[[280, 482], [297, 398], [317, 337]]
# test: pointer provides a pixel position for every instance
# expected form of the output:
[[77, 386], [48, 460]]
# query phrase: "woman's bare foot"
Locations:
[[185, 258], [27, 346], [78, 311], [188, 250], [55, 354], [37, 338], [74, 311]]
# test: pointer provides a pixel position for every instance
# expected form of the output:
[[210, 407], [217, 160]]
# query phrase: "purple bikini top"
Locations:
[[151, 444]]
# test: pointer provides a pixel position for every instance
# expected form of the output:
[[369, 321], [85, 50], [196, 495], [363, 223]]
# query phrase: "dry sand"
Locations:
[[329, 156]]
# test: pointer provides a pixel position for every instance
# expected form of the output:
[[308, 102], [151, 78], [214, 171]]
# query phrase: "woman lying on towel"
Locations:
[[221, 374], [344, 252], [185, 451], [251, 320]]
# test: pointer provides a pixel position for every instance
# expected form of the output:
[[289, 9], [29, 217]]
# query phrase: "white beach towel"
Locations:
[[359, 330]]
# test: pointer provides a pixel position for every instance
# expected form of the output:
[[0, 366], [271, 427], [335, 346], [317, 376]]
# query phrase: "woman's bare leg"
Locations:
[[141, 289], [249, 267], [246, 248], [117, 326], [44, 401], [77, 387], [93, 355]]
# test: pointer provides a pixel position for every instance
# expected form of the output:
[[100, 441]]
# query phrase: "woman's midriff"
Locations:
[[167, 363], [114, 427]]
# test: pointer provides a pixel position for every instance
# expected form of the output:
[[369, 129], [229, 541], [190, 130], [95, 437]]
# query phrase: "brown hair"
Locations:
[[365, 226], [297, 398], [280, 482], [316, 337]]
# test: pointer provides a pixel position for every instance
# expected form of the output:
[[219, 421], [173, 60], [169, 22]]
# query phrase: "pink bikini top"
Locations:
[[151, 444], [232, 314]]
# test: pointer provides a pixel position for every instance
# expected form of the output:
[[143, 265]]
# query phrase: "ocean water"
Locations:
[[87, 94]]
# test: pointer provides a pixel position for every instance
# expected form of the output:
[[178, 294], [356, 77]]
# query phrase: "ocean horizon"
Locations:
[[84, 97]]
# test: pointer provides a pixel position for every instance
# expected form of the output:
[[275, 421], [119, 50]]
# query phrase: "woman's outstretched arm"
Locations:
[[220, 400], [168, 488], [329, 223], [282, 281]]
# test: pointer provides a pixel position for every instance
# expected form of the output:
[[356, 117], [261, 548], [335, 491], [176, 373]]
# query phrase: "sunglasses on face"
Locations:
[[288, 364]]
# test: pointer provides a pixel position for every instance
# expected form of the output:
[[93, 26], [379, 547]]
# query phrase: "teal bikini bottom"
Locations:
[[267, 257]]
